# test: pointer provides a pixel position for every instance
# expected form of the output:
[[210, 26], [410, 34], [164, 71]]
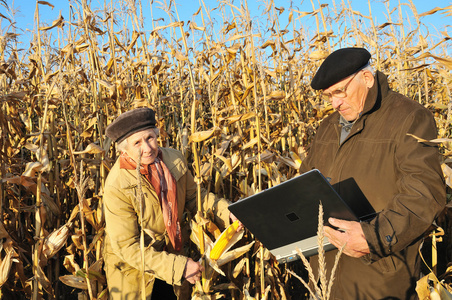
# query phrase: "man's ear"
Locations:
[[369, 78]]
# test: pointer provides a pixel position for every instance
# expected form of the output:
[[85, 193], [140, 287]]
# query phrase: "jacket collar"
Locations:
[[376, 93]]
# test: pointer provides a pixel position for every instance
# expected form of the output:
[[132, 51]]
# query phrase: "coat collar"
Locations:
[[172, 158]]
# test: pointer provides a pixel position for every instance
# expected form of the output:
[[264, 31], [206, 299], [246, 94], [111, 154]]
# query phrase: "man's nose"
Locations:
[[336, 102]]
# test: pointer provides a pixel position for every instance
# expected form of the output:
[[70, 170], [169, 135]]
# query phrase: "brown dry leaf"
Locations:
[[421, 140], [305, 13], [74, 281], [91, 149], [435, 10], [271, 73], [296, 159], [222, 147], [318, 54], [3, 232], [135, 37], [43, 280], [82, 47], [174, 24], [32, 169], [197, 231], [77, 240], [46, 3], [203, 135], [226, 161], [239, 267], [361, 15], [233, 254], [205, 169], [58, 22], [70, 264], [242, 117], [447, 171], [269, 43], [387, 24], [239, 36], [4, 17], [213, 229], [194, 26], [110, 86], [25, 181], [180, 56], [250, 144], [277, 95], [20, 95], [288, 162]]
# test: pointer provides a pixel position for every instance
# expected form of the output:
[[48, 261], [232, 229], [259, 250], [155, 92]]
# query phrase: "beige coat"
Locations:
[[122, 253]]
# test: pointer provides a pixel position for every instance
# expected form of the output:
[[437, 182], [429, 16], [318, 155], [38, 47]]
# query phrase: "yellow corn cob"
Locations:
[[223, 240]]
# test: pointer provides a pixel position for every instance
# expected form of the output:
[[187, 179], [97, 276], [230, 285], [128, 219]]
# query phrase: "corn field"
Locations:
[[233, 94]]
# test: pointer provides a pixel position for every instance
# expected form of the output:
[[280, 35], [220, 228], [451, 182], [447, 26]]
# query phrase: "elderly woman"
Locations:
[[167, 189]]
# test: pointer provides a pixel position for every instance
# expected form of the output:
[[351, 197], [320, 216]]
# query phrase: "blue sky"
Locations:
[[25, 10]]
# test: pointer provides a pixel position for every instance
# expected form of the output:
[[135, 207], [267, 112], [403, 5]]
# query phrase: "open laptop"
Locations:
[[285, 217]]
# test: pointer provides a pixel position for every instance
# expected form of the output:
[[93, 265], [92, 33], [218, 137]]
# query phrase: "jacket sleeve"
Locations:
[[122, 226], [219, 206], [421, 190]]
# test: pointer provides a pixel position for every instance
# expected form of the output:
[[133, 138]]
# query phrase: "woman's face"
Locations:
[[144, 141]]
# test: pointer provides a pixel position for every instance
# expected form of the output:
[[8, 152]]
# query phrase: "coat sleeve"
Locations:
[[421, 190], [122, 227], [219, 206]]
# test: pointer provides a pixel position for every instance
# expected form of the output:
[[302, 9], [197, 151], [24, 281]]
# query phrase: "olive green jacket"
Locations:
[[400, 177], [123, 222]]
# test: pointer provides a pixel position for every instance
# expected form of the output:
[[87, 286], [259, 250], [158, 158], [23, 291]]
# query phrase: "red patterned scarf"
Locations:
[[165, 186]]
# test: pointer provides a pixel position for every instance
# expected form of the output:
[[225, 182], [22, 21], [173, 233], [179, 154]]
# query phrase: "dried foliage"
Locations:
[[233, 95]]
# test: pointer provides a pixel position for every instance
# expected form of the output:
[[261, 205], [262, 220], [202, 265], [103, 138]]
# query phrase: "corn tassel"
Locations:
[[223, 240]]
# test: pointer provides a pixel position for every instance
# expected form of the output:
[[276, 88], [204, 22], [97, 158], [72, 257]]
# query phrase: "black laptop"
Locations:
[[285, 217]]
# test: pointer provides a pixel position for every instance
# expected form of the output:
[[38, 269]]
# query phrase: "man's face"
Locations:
[[353, 104], [144, 141]]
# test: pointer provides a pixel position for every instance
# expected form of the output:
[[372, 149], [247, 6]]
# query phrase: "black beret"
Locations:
[[131, 122], [339, 65]]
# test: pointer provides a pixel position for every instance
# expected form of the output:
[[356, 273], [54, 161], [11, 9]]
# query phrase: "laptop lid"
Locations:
[[285, 217]]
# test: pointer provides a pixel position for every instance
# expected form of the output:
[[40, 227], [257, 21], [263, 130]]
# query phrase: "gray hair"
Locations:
[[368, 68], [121, 146]]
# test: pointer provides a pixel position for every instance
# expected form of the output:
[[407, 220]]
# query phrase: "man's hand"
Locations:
[[349, 234], [193, 270], [233, 219]]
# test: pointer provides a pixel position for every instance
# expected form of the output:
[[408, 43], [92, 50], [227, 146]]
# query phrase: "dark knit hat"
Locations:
[[130, 122], [339, 65]]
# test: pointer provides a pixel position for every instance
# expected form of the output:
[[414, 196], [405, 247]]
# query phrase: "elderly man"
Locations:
[[368, 140], [167, 189]]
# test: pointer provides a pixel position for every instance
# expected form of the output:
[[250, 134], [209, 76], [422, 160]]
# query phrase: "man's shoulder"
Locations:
[[400, 104]]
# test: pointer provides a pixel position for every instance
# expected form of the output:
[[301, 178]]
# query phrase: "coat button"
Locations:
[[389, 238]]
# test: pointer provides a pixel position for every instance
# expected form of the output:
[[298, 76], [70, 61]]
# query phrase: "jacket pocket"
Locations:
[[387, 264]]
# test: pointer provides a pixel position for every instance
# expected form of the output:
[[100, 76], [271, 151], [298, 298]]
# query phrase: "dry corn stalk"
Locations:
[[230, 84]]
